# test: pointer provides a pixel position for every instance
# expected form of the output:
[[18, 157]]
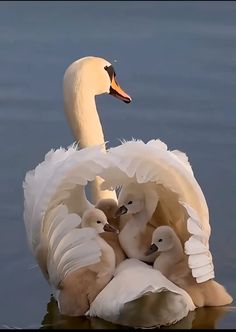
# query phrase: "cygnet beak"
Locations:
[[121, 210], [109, 228], [151, 250]]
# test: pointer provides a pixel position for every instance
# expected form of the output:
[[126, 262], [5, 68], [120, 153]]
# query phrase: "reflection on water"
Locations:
[[54, 320], [202, 318]]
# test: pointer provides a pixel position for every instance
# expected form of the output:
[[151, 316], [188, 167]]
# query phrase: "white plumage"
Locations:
[[50, 227], [197, 247], [56, 231], [134, 279], [137, 162], [52, 181], [52, 221], [55, 201], [153, 162]]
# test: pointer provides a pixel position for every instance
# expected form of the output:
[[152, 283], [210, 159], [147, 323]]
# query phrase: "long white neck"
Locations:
[[80, 108]]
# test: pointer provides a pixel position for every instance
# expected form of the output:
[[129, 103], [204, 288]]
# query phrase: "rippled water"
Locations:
[[176, 60]]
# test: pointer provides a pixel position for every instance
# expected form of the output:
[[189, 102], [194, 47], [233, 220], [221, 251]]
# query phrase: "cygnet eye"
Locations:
[[130, 202], [99, 222], [160, 240]]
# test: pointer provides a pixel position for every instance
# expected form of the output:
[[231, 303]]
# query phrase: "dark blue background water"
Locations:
[[176, 60]]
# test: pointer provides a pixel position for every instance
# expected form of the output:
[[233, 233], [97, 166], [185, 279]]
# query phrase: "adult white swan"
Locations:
[[60, 180]]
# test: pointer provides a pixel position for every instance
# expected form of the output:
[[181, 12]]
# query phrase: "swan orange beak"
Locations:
[[151, 249], [118, 92]]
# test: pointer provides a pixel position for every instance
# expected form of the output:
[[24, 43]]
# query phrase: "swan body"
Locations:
[[134, 280], [79, 264], [173, 263]]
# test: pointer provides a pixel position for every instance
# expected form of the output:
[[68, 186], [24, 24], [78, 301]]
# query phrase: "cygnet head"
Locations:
[[132, 205], [108, 206], [96, 219], [137, 197], [95, 76], [164, 238]]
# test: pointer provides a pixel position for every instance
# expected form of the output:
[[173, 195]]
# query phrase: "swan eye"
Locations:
[[99, 222], [160, 240], [130, 202]]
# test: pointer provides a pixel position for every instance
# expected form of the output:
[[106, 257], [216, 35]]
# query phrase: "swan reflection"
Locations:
[[201, 318]]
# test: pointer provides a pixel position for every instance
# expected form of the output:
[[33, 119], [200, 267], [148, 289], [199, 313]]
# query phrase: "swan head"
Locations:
[[96, 219], [135, 198], [164, 238], [96, 76]]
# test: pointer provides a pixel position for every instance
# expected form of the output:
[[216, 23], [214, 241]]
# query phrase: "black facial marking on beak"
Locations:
[[120, 211], [111, 72], [151, 249]]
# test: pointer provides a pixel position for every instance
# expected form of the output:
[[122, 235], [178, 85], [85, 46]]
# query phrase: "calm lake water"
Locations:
[[176, 60]]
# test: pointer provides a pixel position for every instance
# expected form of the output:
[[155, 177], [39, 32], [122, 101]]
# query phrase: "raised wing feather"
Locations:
[[78, 248], [35, 185], [69, 222], [181, 156], [184, 159], [52, 182], [197, 247], [69, 246], [137, 161], [181, 200]]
